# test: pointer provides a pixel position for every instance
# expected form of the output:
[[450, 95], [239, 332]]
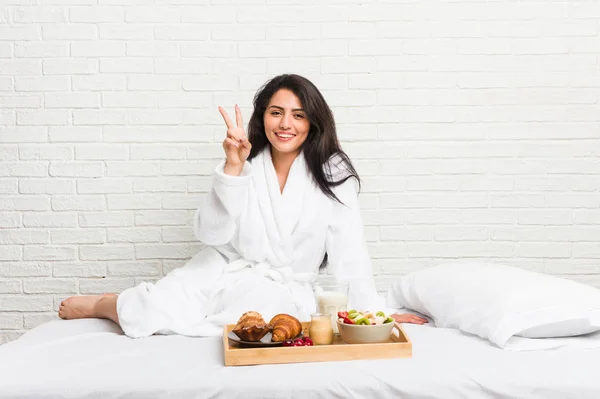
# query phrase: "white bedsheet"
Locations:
[[92, 359]]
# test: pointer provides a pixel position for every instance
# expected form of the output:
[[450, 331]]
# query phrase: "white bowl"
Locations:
[[365, 334]]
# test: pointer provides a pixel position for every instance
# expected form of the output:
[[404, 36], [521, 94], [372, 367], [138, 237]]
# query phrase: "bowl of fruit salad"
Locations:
[[364, 327]]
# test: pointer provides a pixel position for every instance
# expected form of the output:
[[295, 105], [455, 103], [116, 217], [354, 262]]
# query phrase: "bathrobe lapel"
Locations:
[[280, 211]]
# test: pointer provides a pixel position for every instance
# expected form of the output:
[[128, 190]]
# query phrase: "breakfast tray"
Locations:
[[398, 346]]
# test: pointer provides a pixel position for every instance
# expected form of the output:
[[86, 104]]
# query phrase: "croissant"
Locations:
[[284, 326], [251, 327]]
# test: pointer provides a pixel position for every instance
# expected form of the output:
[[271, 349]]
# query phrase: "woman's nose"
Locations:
[[285, 122]]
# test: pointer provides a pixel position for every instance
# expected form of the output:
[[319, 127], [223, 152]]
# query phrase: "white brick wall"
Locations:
[[474, 125]]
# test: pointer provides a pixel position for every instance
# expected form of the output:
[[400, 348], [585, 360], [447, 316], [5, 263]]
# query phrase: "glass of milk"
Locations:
[[332, 297]]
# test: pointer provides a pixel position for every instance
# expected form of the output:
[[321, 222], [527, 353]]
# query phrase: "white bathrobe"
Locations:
[[263, 251]]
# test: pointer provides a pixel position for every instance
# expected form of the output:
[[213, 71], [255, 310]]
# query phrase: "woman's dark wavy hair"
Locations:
[[322, 141]]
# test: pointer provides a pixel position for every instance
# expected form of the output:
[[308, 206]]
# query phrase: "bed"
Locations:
[[92, 358]]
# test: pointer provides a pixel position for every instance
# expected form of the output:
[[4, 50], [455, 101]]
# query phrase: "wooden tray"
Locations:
[[396, 347]]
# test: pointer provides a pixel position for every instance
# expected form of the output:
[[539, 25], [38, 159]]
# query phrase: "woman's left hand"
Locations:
[[409, 318]]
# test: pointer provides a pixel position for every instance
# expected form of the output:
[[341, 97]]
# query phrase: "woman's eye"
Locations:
[[299, 116], [275, 113]]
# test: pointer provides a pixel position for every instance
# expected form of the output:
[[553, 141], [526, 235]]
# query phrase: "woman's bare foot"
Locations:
[[79, 307]]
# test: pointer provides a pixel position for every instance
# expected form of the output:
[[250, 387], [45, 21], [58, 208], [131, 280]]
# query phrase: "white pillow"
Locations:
[[500, 303]]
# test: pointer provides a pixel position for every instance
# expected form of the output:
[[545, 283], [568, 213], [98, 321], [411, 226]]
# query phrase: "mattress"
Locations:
[[93, 359]]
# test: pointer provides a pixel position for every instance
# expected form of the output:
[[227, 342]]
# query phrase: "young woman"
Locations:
[[285, 196]]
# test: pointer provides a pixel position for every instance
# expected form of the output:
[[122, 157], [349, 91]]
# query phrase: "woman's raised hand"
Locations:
[[236, 144]]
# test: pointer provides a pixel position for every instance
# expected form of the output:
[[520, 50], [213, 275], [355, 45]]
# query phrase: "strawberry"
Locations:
[[348, 320], [342, 315]]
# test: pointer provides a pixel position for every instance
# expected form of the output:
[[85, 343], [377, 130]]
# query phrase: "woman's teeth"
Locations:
[[284, 136]]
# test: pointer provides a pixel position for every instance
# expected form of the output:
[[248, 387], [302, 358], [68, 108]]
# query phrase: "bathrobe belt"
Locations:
[[283, 274], [296, 283]]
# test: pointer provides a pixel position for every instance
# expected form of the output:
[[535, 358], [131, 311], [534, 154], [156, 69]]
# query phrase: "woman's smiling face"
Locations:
[[286, 124]]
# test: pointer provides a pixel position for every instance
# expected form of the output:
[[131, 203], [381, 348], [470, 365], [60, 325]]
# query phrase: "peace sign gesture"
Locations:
[[236, 144]]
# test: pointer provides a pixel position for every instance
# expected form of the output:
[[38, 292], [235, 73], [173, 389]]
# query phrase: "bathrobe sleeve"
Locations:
[[216, 220], [348, 257]]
